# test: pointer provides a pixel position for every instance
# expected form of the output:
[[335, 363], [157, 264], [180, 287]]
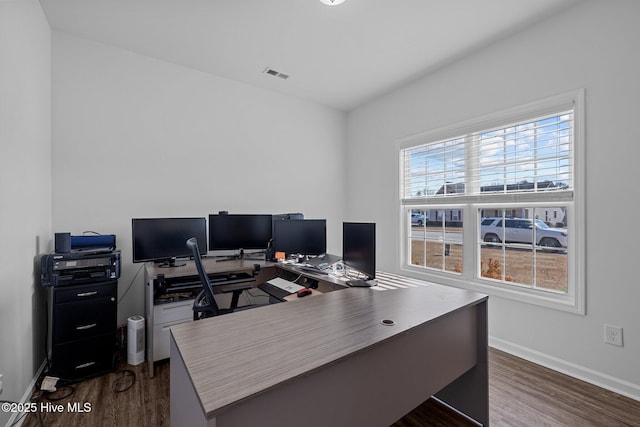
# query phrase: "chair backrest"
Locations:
[[211, 307]]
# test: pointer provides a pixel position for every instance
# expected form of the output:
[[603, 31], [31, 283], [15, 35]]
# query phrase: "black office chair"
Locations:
[[205, 304]]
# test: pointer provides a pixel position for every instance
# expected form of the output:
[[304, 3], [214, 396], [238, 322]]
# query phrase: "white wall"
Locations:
[[125, 126], [25, 190], [595, 46], [138, 137]]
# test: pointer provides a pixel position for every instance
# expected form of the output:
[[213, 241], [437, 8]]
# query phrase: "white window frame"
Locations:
[[572, 301]]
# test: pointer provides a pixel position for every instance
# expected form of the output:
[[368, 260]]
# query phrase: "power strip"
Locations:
[[49, 383]]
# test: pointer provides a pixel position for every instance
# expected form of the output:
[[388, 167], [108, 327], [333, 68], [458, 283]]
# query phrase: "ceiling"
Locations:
[[338, 56]]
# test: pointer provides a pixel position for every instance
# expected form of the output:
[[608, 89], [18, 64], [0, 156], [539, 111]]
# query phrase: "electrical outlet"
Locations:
[[613, 335]]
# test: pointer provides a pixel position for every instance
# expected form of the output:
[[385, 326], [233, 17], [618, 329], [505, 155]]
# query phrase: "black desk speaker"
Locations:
[[269, 254]]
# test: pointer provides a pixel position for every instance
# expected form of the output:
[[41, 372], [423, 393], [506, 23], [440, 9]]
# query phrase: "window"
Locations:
[[496, 204], [436, 244]]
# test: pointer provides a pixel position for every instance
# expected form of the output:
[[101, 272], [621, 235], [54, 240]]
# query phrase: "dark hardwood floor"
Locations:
[[521, 394]]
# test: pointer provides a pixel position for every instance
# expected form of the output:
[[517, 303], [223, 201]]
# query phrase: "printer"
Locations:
[[79, 267], [89, 259]]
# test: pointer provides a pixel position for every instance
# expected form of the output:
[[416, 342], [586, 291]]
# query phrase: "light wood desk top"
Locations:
[[229, 362]]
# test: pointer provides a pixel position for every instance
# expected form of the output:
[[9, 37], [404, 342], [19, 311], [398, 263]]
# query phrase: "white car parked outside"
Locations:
[[520, 230]]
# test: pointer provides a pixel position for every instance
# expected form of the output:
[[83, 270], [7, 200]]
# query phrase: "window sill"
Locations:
[[563, 302]]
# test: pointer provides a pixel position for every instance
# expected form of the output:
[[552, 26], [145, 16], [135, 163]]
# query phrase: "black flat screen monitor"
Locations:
[[359, 247], [286, 216], [233, 231], [300, 236], [165, 239]]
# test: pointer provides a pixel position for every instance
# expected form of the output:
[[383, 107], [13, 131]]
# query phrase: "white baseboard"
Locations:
[[25, 398], [599, 379]]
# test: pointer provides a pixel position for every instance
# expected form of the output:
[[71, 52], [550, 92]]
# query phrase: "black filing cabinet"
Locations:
[[82, 329]]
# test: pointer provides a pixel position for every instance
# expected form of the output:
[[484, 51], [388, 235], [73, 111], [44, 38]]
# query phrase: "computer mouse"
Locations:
[[303, 292]]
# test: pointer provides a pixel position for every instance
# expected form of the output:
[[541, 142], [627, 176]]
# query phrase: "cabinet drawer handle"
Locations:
[[87, 294], [82, 328], [85, 365], [175, 306], [164, 328]]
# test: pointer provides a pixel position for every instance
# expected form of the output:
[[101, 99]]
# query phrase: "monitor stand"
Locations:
[[171, 262], [241, 257], [360, 283], [233, 257], [256, 258]]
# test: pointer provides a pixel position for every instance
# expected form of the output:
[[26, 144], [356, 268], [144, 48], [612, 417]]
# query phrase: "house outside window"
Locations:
[[504, 195]]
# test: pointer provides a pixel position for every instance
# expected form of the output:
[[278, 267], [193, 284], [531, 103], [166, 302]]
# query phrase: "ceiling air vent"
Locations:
[[275, 73]]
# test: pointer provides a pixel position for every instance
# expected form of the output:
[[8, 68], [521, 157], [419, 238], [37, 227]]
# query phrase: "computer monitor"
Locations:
[[237, 231], [165, 239], [359, 247], [300, 236], [286, 216]]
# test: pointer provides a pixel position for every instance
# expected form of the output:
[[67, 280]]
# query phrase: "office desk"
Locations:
[[160, 317], [330, 360]]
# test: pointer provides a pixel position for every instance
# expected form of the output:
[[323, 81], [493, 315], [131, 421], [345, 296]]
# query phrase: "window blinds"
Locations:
[[530, 156]]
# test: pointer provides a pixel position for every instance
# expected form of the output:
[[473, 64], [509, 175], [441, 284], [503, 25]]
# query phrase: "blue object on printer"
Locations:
[[98, 242]]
